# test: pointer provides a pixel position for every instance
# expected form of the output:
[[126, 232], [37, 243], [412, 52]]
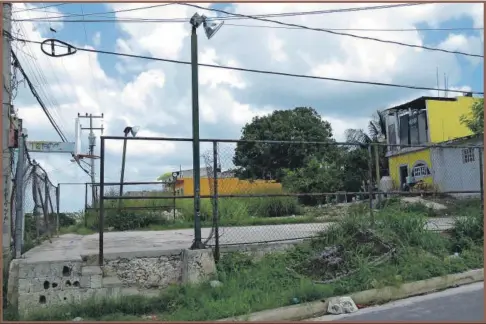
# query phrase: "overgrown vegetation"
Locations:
[[284, 278]]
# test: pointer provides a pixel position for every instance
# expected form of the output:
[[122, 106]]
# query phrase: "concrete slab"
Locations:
[[72, 246]]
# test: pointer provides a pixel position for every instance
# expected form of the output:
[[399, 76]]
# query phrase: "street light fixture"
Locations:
[[128, 130], [210, 29]]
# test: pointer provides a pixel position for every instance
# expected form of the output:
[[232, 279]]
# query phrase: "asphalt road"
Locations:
[[465, 303]]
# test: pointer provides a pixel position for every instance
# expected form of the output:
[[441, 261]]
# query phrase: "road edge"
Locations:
[[386, 294]]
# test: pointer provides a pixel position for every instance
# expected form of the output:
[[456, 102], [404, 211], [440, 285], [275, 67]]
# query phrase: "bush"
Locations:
[[124, 220], [273, 206], [468, 231]]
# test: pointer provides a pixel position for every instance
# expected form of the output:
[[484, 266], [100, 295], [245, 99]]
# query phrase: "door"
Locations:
[[403, 175]]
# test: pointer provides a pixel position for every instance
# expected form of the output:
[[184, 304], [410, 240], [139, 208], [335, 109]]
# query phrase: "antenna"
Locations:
[[445, 85], [438, 86]]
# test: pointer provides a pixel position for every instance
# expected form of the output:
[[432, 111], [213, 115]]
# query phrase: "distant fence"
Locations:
[[270, 191], [34, 203]]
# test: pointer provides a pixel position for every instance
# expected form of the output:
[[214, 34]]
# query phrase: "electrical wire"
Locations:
[[44, 108], [39, 8], [102, 13], [257, 71], [231, 17], [365, 29], [336, 33], [38, 98]]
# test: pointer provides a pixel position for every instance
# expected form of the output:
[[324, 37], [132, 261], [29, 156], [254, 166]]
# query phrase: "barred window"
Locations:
[[467, 155], [420, 170]]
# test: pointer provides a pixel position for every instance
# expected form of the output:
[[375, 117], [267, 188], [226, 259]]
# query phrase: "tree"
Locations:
[[265, 160], [376, 134], [475, 120], [376, 131], [345, 171], [164, 177]]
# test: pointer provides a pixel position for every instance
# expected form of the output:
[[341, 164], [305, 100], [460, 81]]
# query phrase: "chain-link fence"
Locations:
[[282, 191], [254, 192], [34, 203]]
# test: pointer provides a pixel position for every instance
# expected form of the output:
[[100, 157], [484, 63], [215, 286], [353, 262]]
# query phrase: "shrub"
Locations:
[[273, 206], [124, 220]]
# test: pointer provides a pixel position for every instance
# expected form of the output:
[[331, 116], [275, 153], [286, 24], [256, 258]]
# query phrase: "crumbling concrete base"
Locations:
[[197, 266]]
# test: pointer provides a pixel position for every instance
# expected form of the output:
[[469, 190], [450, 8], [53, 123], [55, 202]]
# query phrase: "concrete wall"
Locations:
[[450, 173], [409, 159], [444, 118], [43, 284], [229, 186]]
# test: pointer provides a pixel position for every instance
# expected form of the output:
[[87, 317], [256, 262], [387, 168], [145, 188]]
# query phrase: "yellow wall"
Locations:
[[409, 159], [443, 118], [229, 186]]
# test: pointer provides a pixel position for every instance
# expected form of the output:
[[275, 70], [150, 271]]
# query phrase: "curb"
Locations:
[[386, 294]]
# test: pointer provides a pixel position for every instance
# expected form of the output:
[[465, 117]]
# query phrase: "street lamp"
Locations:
[[128, 130], [210, 29]]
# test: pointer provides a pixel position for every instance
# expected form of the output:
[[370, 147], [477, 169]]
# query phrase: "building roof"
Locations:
[[418, 103], [462, 139]]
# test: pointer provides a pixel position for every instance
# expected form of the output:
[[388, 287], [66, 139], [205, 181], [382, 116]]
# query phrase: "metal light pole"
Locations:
[[126, 131], [210, 29]]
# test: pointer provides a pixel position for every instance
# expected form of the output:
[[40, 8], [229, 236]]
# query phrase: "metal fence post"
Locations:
[[85, 214], [481, 175], [19, 198], [46, 205], [35, 196], [58, 201], [101, 222], [370, 182], [215, 202]]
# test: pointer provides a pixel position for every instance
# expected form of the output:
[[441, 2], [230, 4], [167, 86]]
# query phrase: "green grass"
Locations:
[[281, 279]]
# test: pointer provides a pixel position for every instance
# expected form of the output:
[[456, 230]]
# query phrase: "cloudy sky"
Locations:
[[157, 96]]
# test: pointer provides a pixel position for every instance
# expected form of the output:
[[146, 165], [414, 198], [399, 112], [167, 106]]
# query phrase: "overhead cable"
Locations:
[[255, 70], [336, 33], [231, 17]]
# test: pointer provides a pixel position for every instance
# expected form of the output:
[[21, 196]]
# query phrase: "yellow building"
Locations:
[[432, 120], [226, 186]]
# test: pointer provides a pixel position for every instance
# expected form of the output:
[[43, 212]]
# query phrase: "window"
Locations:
[[467, 155], [413, 129], [420, 170]]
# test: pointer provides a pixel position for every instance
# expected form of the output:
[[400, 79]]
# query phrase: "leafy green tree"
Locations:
[[264, 160], [345, 170], [475, 120], [376, 134]]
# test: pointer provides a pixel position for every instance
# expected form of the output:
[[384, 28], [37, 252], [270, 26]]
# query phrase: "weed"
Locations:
[[279, 279]]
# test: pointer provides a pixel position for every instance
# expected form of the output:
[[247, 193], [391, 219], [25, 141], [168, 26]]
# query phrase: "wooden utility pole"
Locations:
[[6, 125], [92, 144]]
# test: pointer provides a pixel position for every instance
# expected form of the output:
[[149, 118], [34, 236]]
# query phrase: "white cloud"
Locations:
[[157, 96], [97, 39]]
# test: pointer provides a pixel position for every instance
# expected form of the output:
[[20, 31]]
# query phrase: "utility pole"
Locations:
[[6, 117], [92, 144]]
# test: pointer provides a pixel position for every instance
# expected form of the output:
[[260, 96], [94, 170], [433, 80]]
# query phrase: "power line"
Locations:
[[155, 20], [38, 98], [255, 70], [231, 17], [365, 29], [39, 8], [337, 33], [101, 13]]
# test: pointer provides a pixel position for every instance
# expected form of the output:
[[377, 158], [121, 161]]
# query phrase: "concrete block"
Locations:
[[91, 271], [13, 283], [96, 281], [114, 292], [26, 270], [197, 265], [85, 282], [41, 270], [129, 291], [71, 283], [109, 282], [25, 286]]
